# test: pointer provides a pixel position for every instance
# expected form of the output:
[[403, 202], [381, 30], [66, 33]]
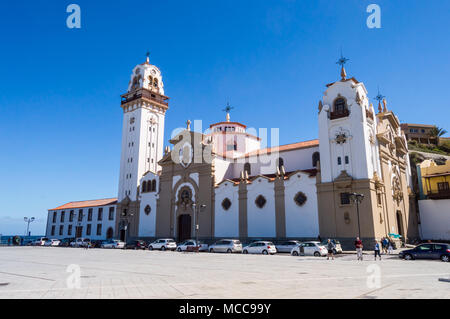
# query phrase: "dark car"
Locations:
[[66, 242], [137, 244], [428, 251]]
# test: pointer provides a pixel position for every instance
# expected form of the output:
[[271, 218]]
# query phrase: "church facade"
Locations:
[[223, 184]]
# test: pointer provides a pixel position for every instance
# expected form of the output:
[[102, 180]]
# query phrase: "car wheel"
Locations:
[[316, 254], [211, 250], [245, 251], [445, 258], [179, 249], [264, 252], [229, 251], [408, 257], [294, 253], [150, 247], [163, 248]]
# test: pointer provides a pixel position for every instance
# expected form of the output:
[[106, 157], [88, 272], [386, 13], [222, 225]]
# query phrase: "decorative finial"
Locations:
[[227, 109], [385, 105], [148, 57], [379, 98], [320, 106], [342, 61], [188, 125]]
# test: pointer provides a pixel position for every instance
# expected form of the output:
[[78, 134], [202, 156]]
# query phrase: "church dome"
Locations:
[[146, 76]]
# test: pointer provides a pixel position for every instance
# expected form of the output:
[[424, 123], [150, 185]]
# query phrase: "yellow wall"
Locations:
[[429, 167]]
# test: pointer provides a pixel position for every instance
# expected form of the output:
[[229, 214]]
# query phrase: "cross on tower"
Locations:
[[227, 109], [379, 98], [342, 61]]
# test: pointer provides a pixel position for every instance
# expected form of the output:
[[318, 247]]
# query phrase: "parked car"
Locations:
[[163, 244], [136, 244], [52, 242], [65, 242], [40, 241], [260, 247], [286, 246], [80, 242], [427, 251], [96, 243], [226, 246], [337, 244], [113, 243], [190, 245], [310, 248]]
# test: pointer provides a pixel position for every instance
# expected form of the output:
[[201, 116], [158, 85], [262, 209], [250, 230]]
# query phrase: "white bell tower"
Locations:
[[144, 107], [347, 131]]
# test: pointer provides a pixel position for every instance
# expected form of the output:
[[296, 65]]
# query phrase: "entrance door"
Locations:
[[400, 224], [184, 227], [122, 235], [79, 232]]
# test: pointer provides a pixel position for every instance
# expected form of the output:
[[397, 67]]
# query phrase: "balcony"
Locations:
[[339, 114], [145, 94], [444, 194]]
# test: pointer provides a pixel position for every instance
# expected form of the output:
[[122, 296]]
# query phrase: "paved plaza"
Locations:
[[46, 272]]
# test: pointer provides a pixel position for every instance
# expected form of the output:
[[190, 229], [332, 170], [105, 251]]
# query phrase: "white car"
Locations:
[[163, 244], [113, 243], [260, 247], [189, 245], [40, 241], [52, 242], [286, 246], [80, 242], [226, 246], [310, 248]]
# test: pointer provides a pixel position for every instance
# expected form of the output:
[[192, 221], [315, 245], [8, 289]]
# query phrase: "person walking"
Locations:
[[385, 244], [390, 247], [377, 249], [359, 247], [330, 247]]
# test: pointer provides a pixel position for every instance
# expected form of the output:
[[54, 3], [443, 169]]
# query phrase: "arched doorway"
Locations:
[[109, 233], [400, 224], [122, 234], [184, 227]]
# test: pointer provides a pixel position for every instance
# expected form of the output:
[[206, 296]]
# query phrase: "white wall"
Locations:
[[227, 221], [435, 219], [301, 221], [147, 223], [261, 221]]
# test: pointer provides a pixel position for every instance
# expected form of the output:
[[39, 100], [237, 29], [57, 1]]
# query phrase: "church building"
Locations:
[[354, 180]]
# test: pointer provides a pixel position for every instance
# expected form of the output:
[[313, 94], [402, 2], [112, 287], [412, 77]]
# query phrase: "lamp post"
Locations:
[[197, 210], [28, 221], [357, 198]]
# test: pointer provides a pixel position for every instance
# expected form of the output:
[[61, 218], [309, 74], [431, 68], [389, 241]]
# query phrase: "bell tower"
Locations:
[[144, 107]]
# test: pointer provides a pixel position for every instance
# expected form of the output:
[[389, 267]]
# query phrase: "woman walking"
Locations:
[[377, 249]]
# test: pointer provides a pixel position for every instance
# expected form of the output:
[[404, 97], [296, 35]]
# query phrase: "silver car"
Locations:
[[286, 246], [226, 246]]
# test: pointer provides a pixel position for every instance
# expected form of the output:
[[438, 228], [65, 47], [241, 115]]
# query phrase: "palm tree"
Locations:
[[437, 132]]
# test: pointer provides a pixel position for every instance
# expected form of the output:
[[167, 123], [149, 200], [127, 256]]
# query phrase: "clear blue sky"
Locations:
[[60, 123]]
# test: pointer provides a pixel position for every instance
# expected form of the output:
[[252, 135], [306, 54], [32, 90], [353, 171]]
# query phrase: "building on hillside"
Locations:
[[419, 133], [434, 202], [223, 183]]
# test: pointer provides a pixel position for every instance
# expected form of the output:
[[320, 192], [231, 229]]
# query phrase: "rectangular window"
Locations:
[[339, 161], [111, 213], [53, 230], [100, 214], [346, 160], [443, 187], [61, 230], [345, 199], [99, 229], [71, 216], [54, 217], [88, 230], [69, 231], [80, 215], [90, 214], [63, 215]]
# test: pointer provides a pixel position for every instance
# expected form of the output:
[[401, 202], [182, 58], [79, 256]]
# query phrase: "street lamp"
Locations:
[[197, 210], [28, 221], [357, 198]]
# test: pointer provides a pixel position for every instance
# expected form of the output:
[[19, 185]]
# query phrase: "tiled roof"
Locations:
[[87, 203], [284, 148]]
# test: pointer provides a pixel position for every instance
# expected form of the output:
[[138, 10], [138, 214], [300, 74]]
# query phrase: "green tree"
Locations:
[[437, 132]]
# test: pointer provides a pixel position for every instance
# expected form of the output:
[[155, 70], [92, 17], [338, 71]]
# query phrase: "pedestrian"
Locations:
[[330, 247], [377, 249], [385, 244], [359, 247], [390, 247]]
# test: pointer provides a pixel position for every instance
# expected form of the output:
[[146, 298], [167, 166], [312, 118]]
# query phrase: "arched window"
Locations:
[[154, 185], [280, 162], [315, 159], [155, 83], [109, 233], [248, 169], [150, 81], [340, 105], [144, 187]]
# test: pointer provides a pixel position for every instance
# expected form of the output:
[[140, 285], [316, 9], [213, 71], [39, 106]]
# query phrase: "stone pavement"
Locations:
[[41, 272]]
